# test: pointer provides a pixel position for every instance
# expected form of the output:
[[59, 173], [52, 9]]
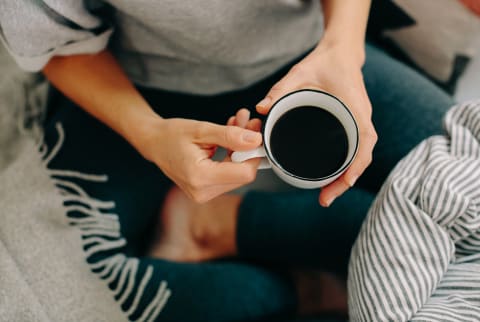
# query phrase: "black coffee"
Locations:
[[309, 142]]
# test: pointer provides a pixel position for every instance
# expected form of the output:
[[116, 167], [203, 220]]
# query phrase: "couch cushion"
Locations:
[[435, 36]]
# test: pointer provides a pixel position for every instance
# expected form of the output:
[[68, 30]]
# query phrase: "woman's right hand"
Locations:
[[183, 148]]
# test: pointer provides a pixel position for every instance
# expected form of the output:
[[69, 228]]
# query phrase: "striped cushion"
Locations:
[[417, 257]]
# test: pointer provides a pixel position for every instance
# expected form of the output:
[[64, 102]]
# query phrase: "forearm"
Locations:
[[345, 25], [99, 85]]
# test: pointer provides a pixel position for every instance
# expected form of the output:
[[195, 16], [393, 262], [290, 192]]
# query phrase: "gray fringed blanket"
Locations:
[[44, 274]]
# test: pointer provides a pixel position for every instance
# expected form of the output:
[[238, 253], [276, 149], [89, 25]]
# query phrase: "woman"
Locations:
[[164, 81]]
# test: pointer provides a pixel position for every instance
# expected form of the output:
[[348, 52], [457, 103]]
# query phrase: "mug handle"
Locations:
[[241, 156]]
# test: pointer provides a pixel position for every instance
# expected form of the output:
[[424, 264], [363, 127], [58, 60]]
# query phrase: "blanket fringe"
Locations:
[[100, 230]]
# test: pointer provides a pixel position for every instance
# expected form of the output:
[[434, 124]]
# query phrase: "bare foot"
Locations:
[[191, 232]]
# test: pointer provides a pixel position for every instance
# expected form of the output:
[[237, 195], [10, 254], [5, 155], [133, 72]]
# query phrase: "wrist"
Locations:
[[350, 51], [139, 127]]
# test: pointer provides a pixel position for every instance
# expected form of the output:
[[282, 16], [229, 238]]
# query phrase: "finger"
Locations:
[[229, 137], [292, 81], [368, 139], [242, 117], [254, 125], [333, 191], [348, 179], [275, 93], [231, 121], [221, 173], [214, 192]]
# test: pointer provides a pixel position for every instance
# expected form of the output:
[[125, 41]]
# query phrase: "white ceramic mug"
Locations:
[[288, 102]]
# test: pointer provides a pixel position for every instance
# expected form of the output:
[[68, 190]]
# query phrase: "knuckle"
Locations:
[[372, 134], [250, 175], [188, 193], [199, 197], [362, 163], [277, 87], [229, 133], [196, 183], [297, 69], [192, 194], [200, 130], [367, 161], [345, 183], [231, 120]]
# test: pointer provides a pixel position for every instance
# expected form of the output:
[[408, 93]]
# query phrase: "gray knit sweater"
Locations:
[[194, 46]]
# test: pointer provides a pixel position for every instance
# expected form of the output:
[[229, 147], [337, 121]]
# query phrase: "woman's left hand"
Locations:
[[336, 71]]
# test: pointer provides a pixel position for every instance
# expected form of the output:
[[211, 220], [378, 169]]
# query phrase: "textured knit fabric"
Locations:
[[44, 275], [210, 46], [417, 257]]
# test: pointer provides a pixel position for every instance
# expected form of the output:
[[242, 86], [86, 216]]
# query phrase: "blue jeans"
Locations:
[[275, 230]]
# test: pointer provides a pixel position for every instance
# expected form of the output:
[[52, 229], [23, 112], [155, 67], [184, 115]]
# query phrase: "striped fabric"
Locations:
[[417, 257]]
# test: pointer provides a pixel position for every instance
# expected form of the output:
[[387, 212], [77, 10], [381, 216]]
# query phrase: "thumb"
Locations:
[[230, 137], [275, 93]]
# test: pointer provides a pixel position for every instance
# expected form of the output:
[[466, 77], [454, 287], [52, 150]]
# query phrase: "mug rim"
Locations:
[[278, 165]]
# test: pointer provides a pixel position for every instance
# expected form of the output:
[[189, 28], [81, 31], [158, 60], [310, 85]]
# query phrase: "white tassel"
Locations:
[[108, 264], [117, 269], [96, 232], [156, 304], [69, 185], [159, 305], [57, 147], [101, 232], [129, 269], [104, 245], [79, 175], [130, 283], [141, 288], [91, 202]]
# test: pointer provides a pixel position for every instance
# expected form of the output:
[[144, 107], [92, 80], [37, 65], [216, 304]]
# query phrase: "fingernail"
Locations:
[[329, 201], [264, 102], [242, 122], [352, 180], [250, 136]]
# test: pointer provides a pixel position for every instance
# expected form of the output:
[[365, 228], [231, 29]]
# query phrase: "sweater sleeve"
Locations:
[[36, 30]]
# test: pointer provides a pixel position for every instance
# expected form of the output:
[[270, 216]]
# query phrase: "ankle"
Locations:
[[204, 231], [215, 225]]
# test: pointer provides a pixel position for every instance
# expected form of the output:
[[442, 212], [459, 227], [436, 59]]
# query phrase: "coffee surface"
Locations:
[[309, 142]]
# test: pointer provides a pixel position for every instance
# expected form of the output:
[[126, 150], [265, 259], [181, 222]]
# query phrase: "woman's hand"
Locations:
[[183, 148], [334, 70], [242, 119]]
